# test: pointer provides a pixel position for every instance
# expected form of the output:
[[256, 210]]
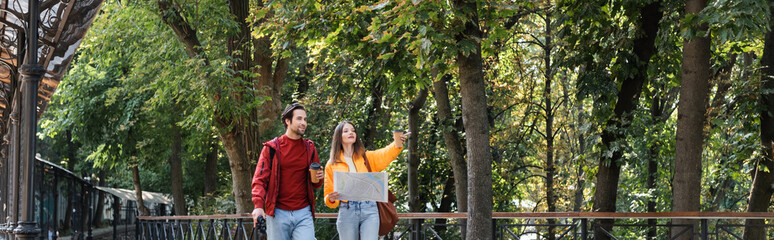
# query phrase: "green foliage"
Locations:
[[220, 204], [736, 20], [732, 148], [132, 81], [129, 83]]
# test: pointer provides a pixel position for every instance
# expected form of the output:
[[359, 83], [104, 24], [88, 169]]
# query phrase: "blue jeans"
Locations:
[[358, 219], [287, 225]]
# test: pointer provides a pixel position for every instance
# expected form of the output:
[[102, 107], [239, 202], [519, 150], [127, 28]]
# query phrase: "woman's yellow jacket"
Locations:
[[378, 159]]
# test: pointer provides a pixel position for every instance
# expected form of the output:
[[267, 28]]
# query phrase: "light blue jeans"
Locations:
[[290, 225], [358, 219]]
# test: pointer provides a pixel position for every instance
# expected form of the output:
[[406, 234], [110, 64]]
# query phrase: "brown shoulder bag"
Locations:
[[388, 215]]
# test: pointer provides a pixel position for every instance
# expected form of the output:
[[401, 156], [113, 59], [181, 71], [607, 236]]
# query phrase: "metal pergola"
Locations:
[[28, 79]]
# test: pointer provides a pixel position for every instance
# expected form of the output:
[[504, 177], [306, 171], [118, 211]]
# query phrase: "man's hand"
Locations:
[[258, 212], [321, 174]]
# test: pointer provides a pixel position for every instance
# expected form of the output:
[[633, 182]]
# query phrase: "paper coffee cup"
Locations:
[[313, 169], [397, 133]]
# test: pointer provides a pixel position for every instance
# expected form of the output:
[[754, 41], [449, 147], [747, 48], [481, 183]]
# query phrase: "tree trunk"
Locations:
[[239, 43], [303, 79], [240, 170], [549, 134], [474, 116], [211, 170], [241, 167], [183, 31], [651, 182], [628, 96], [176, 172], [71, 162], [453, 145], [374, 113], [85, 213], [655, 114], [242, 141], [445, 206], [413, 156], [760, 194], [271, 76], [99, 211], [581, 175], [690, 122], [141, 209], [659, 113], [386, 118]]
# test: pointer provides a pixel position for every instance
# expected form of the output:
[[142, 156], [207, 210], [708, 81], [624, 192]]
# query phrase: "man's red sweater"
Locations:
[[290, 167], [294, 172]]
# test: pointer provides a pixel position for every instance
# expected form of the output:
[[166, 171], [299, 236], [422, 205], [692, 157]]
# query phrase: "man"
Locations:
[[282, 183]]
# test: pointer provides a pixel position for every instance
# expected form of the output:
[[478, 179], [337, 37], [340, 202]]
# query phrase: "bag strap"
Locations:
[[272, 151], [279, 156], [390, 196], [311, 152], [271, 155]]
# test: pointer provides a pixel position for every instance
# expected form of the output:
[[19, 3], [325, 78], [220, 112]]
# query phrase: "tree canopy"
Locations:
[[531, 106]]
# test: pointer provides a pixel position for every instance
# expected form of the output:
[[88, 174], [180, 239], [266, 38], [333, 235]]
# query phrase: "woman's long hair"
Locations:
[[337, 147]]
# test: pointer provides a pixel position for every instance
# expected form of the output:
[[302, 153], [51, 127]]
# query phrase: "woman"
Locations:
[[356, 218]]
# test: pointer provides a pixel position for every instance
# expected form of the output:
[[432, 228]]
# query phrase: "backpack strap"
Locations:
[[311, 152], [272, 151], [271, 154]]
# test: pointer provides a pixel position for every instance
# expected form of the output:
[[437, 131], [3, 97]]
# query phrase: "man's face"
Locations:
[[297, 123]]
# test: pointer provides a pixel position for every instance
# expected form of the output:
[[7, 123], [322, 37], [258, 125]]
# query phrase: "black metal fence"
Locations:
[[448, 226], [66, 207], [63, 201]]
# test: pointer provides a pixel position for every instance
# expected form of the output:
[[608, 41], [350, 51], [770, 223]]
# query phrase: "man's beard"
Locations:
[[299, 131]]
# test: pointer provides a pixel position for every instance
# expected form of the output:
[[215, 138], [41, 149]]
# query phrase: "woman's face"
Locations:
[[348, 134]]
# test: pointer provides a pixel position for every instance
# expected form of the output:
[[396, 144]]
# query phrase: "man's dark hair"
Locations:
[[288, 112]]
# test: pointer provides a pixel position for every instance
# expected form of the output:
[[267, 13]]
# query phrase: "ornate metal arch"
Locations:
[[61, 26], [63, 23]]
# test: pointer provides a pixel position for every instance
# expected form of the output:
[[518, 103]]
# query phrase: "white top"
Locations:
[[350, 163]]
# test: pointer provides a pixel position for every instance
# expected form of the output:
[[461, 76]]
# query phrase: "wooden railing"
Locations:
[[571, 225], [525, 215]]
